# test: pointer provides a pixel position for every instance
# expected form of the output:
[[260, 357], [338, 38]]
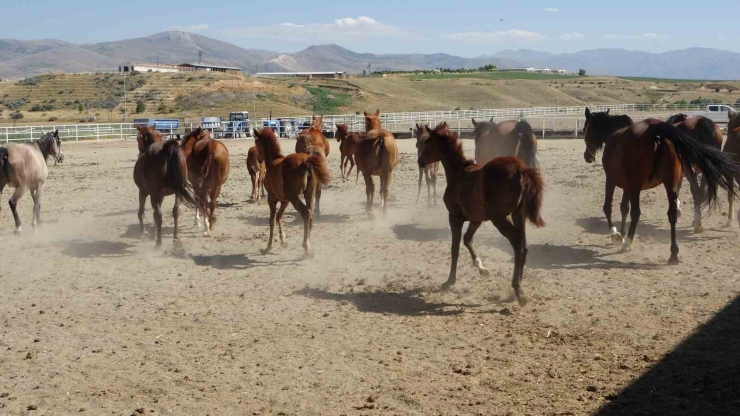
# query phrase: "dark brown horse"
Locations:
[[430, 171], [705, 131], [732, 149], [161, 170], [146, 137], [507, 138], [208, 169], [256, 169], [288, 179], [347, 145], [502, 187], [376, 155], [311, 140], [645, 155]]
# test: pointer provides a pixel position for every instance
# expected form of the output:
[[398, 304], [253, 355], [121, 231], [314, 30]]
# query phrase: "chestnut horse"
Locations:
[[256, 169], [507, 138], [347, 145], [705, 131], [310, 140], [208, 169], [288, 178], [161, 170], [430, 171], [376, 155], [147, 136], [645, 155], [503, 187]]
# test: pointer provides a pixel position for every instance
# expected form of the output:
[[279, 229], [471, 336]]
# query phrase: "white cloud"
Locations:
[[194, 28], [337, 30], [551, 9], [642, 36], [494, 37], [572, 36]]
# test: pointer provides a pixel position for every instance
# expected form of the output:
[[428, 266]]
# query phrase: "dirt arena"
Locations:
[[95, 321]]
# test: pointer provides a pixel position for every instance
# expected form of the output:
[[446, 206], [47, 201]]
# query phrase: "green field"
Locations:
[[668, 80], [496, 76]]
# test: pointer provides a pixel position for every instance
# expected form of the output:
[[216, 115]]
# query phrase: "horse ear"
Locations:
[[255, 133], [475, 123], [377, 112], [56, 133], [588, 113], [491, 120], [607, 110], [366, 114]]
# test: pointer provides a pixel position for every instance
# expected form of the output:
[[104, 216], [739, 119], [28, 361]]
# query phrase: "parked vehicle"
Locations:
[[210, 123], [714, 112], [167, 126], [238, 125]]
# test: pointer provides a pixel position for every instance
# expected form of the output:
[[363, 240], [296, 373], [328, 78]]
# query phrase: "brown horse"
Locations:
[[732, 149], [705, 131], [507, 138], [161, 170], [146, 137], [288, 178], [310, 140], [347, 145], [23, 166], [733, 121], [256, 169], [208, 169], [376, 155], [645, 155], [430, 171], [502, 187]]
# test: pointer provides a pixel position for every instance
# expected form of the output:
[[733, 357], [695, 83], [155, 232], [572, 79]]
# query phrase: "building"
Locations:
[[309, 75], [197, 67], [146, 67], [562, 72]]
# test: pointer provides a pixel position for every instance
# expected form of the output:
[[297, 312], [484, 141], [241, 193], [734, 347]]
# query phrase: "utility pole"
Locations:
[[124, 97]]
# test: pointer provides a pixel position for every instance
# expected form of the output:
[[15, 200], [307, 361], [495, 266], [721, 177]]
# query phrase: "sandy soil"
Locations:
[[95, 321]]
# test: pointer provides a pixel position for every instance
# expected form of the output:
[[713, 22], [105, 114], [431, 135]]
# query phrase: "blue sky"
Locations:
[[466, 28]]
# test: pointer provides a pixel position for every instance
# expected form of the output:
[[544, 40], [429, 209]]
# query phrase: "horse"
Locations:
[[256, 168], [147, 136], [288, 178], [161, 170], [23, 166], [376, 155], [732, 149], [208, 169], [733, 121], [430, 171], [645, 155], [507, 138], [310, 140], [705, 131], [347, 145], [502, 187]]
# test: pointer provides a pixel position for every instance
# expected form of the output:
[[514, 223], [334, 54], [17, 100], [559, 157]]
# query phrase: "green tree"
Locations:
[[581, 72], [80, 108], [140, 107]]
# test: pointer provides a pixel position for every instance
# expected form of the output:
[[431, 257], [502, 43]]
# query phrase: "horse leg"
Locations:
[[156, 201], [36, 195], [279, 218], [418, 193], [698, 195], [468, 241], [634, 219], [520, 224], [672, 218], [351, 161], [608, 197], [456, 225], [142, 203], [198, 203], [730, 197], [255, 182], [342, 163], [515, 237], [318, 200], [211, 218], [433, 175], [428, 179], [272, 202], [369, 192], [176, 243], [306, 214], [385, 184], [624, 207], [13, 202]]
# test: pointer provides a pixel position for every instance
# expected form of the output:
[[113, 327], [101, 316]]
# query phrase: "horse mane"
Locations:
[[447, 142], [198, 134], [271, 141], [45, 144], [677, 118], [603, 125]]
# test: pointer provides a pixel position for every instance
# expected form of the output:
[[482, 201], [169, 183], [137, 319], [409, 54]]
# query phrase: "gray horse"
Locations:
[[23, 166]]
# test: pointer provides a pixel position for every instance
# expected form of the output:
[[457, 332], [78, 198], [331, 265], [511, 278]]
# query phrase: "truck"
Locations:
[[210, 123], [715, 112], [238, 125], [168, 126]]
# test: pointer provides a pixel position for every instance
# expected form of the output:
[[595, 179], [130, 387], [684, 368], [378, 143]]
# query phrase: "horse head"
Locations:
[[342, 132], [482, 129], [438, 138], [598, 128], [372, 120], [51, 145], [146, 137], [421, 132]]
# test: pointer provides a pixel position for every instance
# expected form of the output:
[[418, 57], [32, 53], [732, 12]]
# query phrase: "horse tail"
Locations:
[[715, 166], [527, 144], [707, 130], [207, 168], [381, 147], [533, 188], [173, 175], [318, 168], [4, 164]]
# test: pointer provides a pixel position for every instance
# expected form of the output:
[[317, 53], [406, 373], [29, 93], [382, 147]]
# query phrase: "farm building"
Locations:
[[310, 75], [146, 67], [196, 67]]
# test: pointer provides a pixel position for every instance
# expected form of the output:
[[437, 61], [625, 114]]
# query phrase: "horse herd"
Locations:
[[502, 185]]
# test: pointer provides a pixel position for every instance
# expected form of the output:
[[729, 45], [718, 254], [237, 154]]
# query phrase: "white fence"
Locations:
[[544, 119]]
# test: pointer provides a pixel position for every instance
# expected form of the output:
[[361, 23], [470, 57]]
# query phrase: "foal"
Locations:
[[376, 155], [288, 179], [347, 145], [429, 171], [256, 169], [503, 187]]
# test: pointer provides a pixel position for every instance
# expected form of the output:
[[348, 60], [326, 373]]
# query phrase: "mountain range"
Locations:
[[19, 58]]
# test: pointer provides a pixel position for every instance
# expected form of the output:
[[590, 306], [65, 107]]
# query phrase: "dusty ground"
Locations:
[[93, 320]]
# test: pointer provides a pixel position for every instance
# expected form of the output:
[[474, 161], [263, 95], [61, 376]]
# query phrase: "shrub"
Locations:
[[140, 107], [17, 115], [53, 118], [581, 72]]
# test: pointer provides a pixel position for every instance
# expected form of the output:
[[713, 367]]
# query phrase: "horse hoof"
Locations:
[[284, 245], [616, 238], [698, 229], [158, 244], [308, 256], [206, 233], [627, 245], [266, 250], [447, 285], [144, 236], [484, 272], [522, 300], [673, 260], [17, 231]]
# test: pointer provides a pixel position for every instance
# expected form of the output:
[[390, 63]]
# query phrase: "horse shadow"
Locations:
[[414, 232], [226, 204], [408, 303], [118, 213], [332, 218], [225, 261], [595, 225], [264, 220], [92, 249], [133, 231], [699, 376]]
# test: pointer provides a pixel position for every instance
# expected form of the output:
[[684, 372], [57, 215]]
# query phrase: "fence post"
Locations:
[[577, 122], [458, 127], [543, 128], [77, 135], [97, 131], [120, 130]]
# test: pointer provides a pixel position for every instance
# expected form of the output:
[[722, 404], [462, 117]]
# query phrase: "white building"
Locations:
[[146, 67]]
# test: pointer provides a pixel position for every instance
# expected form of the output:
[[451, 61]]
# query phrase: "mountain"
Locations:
[[20, 58], [691, 63]]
